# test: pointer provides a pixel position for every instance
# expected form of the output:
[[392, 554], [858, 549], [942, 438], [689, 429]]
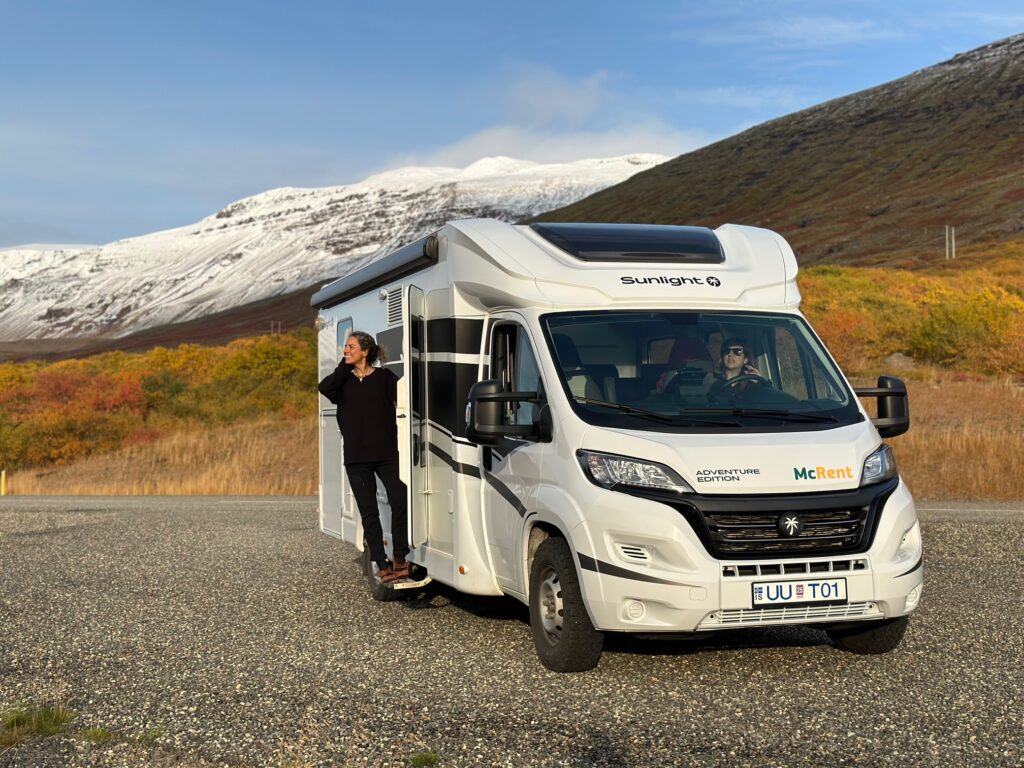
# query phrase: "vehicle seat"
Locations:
[[688, 365], [581, 382], [607, 377]]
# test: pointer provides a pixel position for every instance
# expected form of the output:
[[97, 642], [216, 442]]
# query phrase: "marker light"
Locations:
[[609, 470], [880, 465]]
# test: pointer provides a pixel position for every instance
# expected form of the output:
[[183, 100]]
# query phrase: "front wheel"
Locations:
[[565, 638], [872, 637]]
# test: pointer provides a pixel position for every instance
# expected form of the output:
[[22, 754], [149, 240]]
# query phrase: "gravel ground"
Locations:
[[230, 632]]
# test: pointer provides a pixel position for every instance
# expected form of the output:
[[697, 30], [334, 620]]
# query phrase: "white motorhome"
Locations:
[[569, 437]]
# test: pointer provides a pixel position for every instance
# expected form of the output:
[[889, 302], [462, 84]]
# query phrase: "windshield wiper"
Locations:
[[765, 413], [625, 409]]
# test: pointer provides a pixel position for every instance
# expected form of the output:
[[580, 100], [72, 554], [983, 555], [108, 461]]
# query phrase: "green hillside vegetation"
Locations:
[[963, 318], [869, 179]]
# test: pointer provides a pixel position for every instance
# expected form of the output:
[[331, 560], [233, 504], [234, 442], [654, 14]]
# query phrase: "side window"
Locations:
[[514, 364], [344, 331], [658, 350], [527, 379], [824, 386], [791, 369]]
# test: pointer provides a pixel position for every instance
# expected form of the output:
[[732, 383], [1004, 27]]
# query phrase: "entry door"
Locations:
[[333, 481], [513, 469], [414, 352]]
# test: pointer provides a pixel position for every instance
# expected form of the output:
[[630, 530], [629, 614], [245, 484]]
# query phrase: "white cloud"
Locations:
[[779, 97], [808, 33], [548, 117], [542, 97], [1000, 22], [26, 135], [552, 146]]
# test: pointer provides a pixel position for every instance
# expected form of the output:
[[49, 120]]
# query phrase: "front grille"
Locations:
[[758, 533], [746, 527], [752, 617]]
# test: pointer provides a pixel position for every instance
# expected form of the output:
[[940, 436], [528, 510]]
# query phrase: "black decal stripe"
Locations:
[[920, 562], [506, 493], [463, 469], [448, 387], [607, 569], [454, 334]]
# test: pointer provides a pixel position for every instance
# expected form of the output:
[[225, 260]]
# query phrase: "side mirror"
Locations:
[[484, 421], [893, 406]]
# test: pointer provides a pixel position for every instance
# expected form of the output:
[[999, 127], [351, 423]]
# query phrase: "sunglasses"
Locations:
[[738, 351]]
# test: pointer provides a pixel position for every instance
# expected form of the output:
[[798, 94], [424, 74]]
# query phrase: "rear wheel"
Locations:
[[563, 634], [870, 638]]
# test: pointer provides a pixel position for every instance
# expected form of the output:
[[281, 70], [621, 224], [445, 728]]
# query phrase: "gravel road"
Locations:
[[204, 631]]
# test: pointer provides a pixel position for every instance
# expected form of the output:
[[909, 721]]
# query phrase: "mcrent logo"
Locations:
[[823, 473]]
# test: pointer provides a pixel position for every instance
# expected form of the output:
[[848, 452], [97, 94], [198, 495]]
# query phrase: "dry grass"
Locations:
[[963, 440], [267, 458]]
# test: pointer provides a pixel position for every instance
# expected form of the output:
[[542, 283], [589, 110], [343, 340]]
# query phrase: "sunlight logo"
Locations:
[[823, 473], [713, 281]]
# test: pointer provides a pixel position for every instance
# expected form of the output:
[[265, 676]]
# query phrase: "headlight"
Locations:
[[609, 470], [880, 465]]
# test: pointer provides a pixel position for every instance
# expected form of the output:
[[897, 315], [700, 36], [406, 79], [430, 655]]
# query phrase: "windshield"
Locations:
[[698, 371]]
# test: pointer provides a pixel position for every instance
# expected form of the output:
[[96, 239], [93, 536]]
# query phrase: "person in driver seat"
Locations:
[[734, 361]]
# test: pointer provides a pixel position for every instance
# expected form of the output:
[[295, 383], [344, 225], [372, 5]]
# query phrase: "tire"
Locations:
[[379, 592], [874, 637], [563, 634]]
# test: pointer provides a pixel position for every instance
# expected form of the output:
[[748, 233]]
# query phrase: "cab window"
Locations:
[[514, 364]]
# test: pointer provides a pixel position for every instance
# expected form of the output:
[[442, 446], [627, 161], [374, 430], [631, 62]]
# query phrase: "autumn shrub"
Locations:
[[57, 438], [972, 329], [61, 412], [970, 320]]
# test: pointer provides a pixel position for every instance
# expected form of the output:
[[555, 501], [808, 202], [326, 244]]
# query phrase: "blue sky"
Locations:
[[121, 118]]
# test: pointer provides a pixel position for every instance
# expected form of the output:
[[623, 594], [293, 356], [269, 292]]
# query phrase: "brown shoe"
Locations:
[[395, 572]]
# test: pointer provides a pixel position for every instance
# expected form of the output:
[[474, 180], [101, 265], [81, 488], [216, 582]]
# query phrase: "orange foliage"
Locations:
[[59, 413]]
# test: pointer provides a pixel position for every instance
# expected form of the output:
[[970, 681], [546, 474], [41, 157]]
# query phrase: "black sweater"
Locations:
[[366, 413]]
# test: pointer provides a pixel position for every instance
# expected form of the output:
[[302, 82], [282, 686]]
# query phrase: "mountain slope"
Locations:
[[869, 178], [270, 245]]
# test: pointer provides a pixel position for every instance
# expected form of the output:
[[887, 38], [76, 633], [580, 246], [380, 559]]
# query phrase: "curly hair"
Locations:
[[374, 354]]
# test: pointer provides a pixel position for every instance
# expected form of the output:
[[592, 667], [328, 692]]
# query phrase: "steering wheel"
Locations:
[[747, 377], [727, 391]]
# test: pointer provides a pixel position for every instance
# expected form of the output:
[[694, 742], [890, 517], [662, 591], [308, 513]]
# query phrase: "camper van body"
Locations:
[[700, 538]]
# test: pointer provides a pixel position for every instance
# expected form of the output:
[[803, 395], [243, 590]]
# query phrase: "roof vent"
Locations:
[[657, 243]]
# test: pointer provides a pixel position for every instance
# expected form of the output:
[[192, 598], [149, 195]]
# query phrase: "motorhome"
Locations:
[[629, 428]]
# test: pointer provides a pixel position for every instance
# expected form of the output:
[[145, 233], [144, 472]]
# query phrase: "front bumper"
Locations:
[[682, 588]]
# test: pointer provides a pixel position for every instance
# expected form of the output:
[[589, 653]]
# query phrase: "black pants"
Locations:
[[364, 487]]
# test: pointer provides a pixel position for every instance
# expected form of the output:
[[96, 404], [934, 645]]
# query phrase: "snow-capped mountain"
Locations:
[[273, 243]]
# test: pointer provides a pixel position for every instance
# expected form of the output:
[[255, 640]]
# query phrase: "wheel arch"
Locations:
[[541, 527]]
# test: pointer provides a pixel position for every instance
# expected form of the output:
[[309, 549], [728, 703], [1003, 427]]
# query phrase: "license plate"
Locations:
[[805, 591]]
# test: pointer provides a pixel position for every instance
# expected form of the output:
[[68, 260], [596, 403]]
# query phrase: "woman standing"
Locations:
[[365, 396]]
